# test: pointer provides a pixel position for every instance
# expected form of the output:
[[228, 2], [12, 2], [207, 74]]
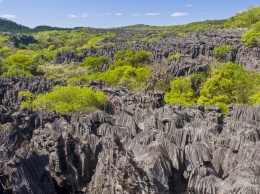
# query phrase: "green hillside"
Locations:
[[10, 26]]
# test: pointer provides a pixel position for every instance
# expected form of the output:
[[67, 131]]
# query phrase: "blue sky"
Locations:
[[115, 13]]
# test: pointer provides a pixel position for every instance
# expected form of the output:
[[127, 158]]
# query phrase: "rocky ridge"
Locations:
[[196, 51], [137, 144]]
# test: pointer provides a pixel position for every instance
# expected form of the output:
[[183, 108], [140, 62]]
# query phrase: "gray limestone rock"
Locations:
[[137, 145]]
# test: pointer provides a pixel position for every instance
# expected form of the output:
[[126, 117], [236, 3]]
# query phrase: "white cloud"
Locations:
[[84, 15], [109, 14], [72, 16], [118, 14], [178, 14], [152, 14], [136, 14], [8, 16], [188, 5]]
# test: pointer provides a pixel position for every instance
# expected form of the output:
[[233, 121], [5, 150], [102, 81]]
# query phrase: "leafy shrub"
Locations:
[[134, 58], [221, 50], [133, 78], [244, 19], [68, 99], [251, 37], [228, 83], [182, 34], [255, 99], [175, 56], [18, 64], [94, 63], [128, 70], [181, 92], [28, 99]]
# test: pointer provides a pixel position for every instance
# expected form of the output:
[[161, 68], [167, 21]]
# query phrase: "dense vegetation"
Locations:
[[247, 19], [221, 50], [128, 70], [32, 52], [227, 83], [244, 19], [252, 37], [66, 99]]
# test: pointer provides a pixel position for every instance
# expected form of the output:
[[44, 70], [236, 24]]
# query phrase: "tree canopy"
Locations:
[[66, 99]]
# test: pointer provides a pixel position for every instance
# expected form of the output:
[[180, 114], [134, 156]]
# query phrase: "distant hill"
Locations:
[[201, 25], [10, 26], [47, 28]]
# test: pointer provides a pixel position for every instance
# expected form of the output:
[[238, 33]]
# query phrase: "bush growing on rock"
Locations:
[[244, 19], [252, 36], [94, 64], [181, 92], [136, 59], [175, 56], [228, 83], [18, 64], [67, 99], [129, 70], [221, 50]]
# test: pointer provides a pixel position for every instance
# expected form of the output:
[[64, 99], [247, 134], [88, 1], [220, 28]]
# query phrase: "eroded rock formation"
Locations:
[[137, 144], [196, 51]]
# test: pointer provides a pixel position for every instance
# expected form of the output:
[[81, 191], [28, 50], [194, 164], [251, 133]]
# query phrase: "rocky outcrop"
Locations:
[[196, 51], [137, 144], [10, 86]]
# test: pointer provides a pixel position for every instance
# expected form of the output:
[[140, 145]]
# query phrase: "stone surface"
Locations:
[[138, 144], [196, 51]]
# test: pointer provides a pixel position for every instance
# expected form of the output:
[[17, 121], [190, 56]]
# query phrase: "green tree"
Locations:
[[18, 64], [27, 99], [245, 18], [221, 50], [181, 92], [228, 83], [251, 37], [67, 99], [134, 58], [94, 63]]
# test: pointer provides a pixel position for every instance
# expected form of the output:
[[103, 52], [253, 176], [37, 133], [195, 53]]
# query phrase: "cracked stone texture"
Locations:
[[145, 146]]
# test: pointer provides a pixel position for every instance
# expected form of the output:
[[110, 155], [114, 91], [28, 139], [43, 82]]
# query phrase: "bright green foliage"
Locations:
[[28, 99], [181, 92], [244, 19], [154, 37], [128, 70], [133, 78], [18, 64], [68, 99], [94, 63], [175, 56], [252, 36], [221, 50], [5, 51], [71, 39], [255, 99], [228, 83], [182, 34], [134, 58]]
